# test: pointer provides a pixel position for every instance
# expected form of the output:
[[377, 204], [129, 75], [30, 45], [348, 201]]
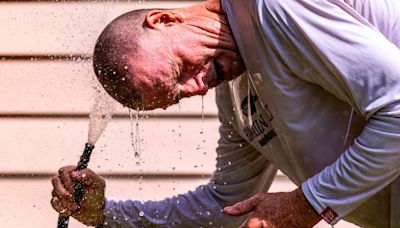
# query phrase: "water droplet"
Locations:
[[202, 107], [135, 138], [141, 213], [132, 135], [137, 133]]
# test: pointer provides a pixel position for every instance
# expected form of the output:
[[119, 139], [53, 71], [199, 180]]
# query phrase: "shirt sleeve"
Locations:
[[329, 44], [241, 171]]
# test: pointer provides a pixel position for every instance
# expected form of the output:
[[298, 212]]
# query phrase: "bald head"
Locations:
[[117, 45], [150, 59]]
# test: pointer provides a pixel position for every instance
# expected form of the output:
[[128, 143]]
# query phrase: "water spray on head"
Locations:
[[100, 115]]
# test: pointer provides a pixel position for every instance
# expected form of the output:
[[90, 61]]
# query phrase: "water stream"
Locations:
[[135, 135], [100, 114], [202, 108], [180, 130], [138, 152]]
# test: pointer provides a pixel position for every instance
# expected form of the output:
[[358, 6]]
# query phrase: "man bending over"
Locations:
[[309, 87]]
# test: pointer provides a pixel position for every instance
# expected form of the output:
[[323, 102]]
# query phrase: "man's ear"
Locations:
[[160, 19]]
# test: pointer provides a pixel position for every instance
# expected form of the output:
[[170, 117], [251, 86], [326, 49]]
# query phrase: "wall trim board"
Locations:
[[116, 116]]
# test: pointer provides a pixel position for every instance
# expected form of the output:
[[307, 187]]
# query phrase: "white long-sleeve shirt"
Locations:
[[320, 101]]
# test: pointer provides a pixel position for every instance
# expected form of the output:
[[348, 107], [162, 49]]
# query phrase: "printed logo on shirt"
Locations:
[[259, 126], [245, 105]]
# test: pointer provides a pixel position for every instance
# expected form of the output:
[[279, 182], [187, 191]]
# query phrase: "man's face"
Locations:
[[155, 82], [182, 70], [184, 53], [199, 71]]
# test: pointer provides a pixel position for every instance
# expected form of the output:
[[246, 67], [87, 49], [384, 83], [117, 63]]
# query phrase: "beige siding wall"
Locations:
[[45, 96]]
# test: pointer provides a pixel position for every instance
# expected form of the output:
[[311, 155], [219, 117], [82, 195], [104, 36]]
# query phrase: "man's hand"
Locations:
[[272, 210], [90, 211]]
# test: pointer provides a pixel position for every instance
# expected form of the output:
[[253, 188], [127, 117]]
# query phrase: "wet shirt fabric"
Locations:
[[320, 101]]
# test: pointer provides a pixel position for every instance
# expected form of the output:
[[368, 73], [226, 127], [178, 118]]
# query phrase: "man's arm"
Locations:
[[336, 48], [240, 173]]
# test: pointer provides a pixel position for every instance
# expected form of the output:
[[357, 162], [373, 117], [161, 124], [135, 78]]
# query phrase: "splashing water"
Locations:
[[138, 153], [202, 108], [132, 135], [179, 129], [135, 137], [100, 114], [202, 115], [202, 125]]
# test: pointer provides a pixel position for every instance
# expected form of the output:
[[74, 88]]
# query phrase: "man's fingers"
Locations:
[[59, 189], [243, 207], [65, 176], [62, 201], [88, 178], [62, 207]]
